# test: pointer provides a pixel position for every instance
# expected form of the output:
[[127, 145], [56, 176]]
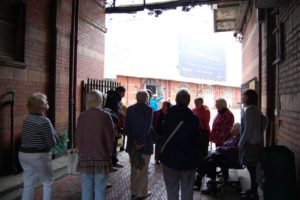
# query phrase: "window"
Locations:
[[12, 29], [277, 37]]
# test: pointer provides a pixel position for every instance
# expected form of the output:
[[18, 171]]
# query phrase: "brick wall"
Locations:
[[288, 124], [25, 81], [91, 40], [36, 77], [286, 96], [170, 88]]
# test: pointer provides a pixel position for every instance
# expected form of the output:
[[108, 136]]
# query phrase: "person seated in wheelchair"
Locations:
[[227, 153]]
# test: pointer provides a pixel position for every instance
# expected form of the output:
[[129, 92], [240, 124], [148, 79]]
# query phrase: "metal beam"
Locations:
[[161, 5]]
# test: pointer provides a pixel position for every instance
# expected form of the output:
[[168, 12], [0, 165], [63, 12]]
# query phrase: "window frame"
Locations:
[[17, 60]]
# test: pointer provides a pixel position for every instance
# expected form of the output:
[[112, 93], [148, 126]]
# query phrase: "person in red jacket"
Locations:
[[203, 114], [222, 124]]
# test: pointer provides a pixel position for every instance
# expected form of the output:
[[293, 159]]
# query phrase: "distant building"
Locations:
[[169, 88]]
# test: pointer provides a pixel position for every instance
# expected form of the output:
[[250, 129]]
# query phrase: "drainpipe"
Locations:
[[260, 53], [73, 73], [52, 67]]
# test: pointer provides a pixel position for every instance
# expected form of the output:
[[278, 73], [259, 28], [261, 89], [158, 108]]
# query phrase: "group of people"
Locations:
[[181, 138]]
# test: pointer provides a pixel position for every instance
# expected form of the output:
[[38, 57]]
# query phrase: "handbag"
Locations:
[[72, 161], [171, 135]]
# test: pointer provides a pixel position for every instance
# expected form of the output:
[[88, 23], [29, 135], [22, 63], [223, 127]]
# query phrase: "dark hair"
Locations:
[[120, 89], [183, 98], [168, 104], [198, 99], [150, 93], [252, 97]]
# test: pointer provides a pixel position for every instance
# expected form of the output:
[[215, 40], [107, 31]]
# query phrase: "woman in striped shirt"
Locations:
[[38, 137]]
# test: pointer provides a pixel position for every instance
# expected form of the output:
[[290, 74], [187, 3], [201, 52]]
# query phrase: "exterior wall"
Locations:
[[38, 76], [25, 81], [282, 104], [288, 123], [170, 88]]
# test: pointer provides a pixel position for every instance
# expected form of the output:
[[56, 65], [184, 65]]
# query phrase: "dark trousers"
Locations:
[[114, 158], [157, 151], [210, 164], [252, 171]]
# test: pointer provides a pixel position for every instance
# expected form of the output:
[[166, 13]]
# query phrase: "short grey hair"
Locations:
[[183, 97], [94, 99], [142, 96], [221, 102]]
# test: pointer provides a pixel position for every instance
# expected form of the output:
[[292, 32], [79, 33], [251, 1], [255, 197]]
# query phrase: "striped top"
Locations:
[[38, 134]]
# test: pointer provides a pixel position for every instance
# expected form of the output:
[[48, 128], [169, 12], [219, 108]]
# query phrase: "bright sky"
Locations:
[[142, 45]]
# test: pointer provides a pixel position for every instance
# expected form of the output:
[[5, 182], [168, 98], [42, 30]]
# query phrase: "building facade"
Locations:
[[54, 46], [271, 64], [169, 88]]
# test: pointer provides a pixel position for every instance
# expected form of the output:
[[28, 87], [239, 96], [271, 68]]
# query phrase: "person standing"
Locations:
[[38, 137], [113, 102], [252, 125], [154, 102], [222, 124], [203, 114], [94, 138], [140, 144], [181, 150], [158, 118]]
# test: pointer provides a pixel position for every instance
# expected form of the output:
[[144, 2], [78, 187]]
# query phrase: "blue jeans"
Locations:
[[93, 185]]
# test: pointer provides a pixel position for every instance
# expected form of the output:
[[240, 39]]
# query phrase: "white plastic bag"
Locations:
[[72, 161]]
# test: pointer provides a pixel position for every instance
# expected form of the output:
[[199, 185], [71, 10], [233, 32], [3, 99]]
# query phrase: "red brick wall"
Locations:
[[288, 124], [91, 38], [36, 77], [170, 88], [287, 120]]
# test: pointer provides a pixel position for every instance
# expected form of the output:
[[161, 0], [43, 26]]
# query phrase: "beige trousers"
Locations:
[[139, 178]]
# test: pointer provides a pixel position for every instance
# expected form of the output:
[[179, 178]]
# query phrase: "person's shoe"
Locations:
[[108, 185], [143, 197], [210, 189], [251, 197], [117, 165], [157, 162], [114, 169], [122, 149], [245, 193]]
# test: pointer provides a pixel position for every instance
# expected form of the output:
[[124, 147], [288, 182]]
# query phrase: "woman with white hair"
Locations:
[[222, 124], [38, 137], [94, 138]]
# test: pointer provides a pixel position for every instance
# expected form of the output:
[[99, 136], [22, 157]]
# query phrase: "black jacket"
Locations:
[[183, 151]]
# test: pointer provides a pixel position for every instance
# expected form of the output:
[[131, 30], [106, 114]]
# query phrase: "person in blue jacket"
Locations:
[[154, 100], [182, 153]]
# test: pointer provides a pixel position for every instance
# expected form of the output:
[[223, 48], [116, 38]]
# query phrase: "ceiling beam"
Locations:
[[161, 5]]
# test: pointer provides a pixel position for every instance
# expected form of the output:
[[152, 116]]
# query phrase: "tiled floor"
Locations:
[[68, 187]]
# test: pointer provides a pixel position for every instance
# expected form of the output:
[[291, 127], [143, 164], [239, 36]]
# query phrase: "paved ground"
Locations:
[[68, 187]]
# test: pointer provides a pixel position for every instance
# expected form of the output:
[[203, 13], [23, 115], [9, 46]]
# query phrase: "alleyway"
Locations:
[[68, 187]]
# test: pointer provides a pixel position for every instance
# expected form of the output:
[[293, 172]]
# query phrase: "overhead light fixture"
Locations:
[[157, 12], [238, 36]]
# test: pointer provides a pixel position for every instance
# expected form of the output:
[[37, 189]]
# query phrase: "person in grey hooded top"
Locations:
[[253, 123]]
